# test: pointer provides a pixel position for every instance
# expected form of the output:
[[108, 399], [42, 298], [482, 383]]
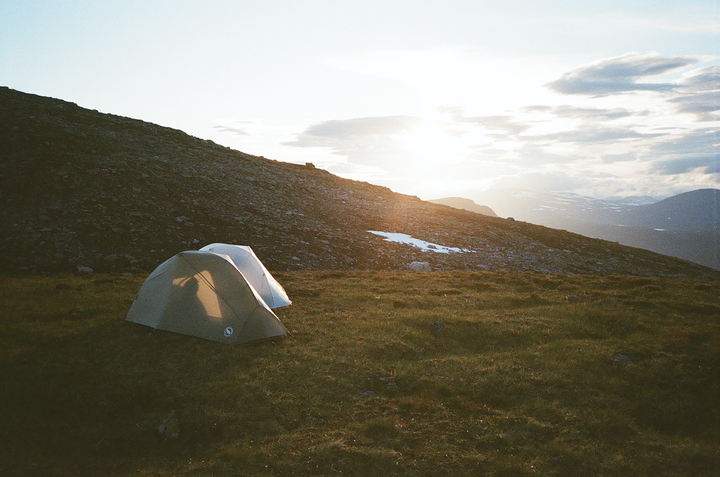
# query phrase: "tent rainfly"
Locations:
[[204, 294], [254, 272]]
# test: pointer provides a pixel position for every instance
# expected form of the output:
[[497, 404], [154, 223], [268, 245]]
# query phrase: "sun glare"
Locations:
[[430, 142]]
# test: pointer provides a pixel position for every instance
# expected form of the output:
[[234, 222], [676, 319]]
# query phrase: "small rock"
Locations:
[[664, 355], [576, 297], [83, 270], [420, 266], [367, 393], [169, 426], [621, 358]]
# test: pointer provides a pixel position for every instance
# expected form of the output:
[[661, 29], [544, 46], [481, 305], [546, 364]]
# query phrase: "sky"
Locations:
[[430, 98]]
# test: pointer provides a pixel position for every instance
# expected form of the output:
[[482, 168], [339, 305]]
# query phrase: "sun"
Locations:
[[433, 142]]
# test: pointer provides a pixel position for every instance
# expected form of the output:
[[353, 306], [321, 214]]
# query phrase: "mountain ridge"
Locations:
[[695, 210], [88, 190], [686, 225], [465, 204]]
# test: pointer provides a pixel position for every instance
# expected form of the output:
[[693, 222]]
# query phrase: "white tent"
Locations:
[[204, 294], [254, 272]]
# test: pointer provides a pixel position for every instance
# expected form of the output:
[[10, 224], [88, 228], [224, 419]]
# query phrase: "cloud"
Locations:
[[333, 133], [702, 94], [505, 123], [594, 135], [592, 113], [546, 180], [703, 79], [236, 127], [531, 153], [620, 75], [614, 158], [594, 144], [708, 164], [232, 130], [699, 141], [498, 123], [702, 105], [693, 151], [368, 141]]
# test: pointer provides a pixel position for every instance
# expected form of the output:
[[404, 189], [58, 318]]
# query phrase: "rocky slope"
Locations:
[[85, 189]]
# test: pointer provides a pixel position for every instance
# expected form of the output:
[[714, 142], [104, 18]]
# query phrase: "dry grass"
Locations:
[[388, 373]]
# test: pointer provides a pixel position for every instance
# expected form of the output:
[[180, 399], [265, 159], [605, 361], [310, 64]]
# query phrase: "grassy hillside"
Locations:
[[387, 373]]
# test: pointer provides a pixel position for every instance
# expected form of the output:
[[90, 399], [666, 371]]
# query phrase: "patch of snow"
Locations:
[[523, 194], [421, 244]]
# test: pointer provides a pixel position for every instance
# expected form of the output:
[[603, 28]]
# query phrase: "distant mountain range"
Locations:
[[465, 204], [685, 226], [84, 190]]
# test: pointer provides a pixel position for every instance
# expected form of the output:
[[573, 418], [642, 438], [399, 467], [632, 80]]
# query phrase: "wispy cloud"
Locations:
[[701, 94], [702, 79], [592, 113], [700, 141], [680, 165], [343, 129], [505, 123], [620, 75], [366, 141], [236, 127], [614, 158], [599, 134], [702, 105], [694, 151]]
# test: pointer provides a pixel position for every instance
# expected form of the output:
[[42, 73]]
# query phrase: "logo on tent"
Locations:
[[228, 332]]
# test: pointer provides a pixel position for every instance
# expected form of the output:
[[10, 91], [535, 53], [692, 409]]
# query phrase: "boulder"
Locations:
[[420, 266]]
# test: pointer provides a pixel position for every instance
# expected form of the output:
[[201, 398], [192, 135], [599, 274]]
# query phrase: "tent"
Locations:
[[204, 294], [254, 272]]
